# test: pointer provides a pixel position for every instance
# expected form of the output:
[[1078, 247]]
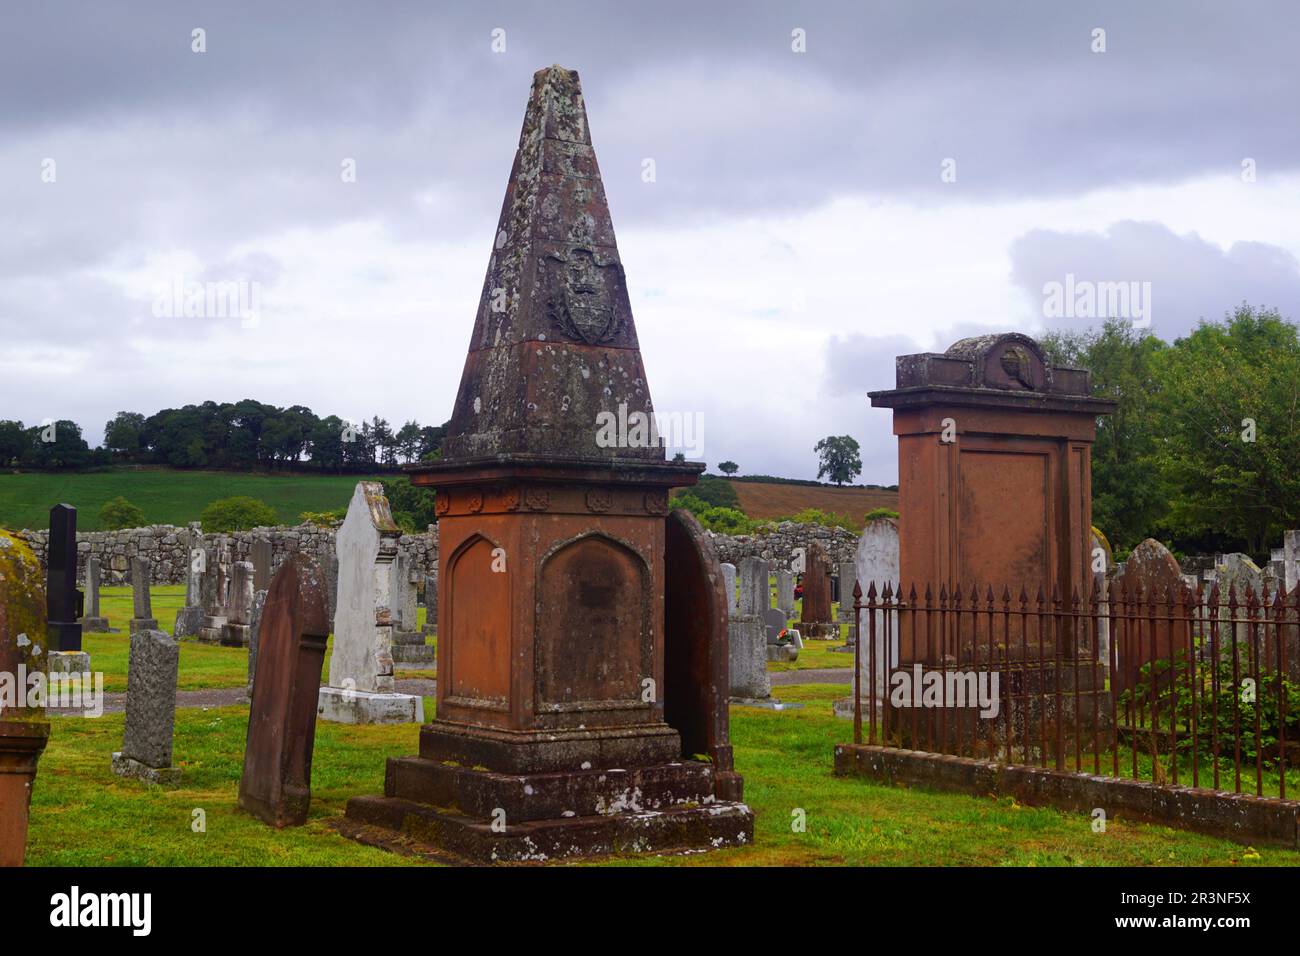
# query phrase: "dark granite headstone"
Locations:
[[276, 784], [62, 597]]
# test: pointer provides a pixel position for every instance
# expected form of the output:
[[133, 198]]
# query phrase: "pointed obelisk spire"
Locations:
[[554, 344]]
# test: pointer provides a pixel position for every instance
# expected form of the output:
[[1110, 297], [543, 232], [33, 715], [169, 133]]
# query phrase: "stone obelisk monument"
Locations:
[[552, 496]]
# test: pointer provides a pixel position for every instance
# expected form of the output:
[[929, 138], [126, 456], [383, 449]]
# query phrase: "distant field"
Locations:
[[779, 501], [165, 496]]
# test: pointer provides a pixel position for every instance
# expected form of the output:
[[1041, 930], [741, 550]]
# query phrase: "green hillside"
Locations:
[[165, 496]]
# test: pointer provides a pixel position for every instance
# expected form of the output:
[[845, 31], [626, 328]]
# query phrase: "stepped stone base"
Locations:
[[441, 808], [94, 625], [235, 635], [125, 766], [341, 706], [210, 631], [69, 662]]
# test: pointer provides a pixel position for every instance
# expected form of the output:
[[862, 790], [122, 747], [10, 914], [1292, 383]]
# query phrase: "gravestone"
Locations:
[[254, 636], [64, 603], [146, 752], [1103, 566], [815, 621], [774, 622], [262, 557], [93, 621], [551, 553], [875, 563], [430, 605], [142, 618], [234, 633], [276, 782], [755, 593], [785, 591], [331, 565], [729, 585], [1150, 572], [695, 612], [1238, 575], [24, 730], [845, 595], [1291, 560], [214, 597], [189, 619], [360, 687], [409, 648]]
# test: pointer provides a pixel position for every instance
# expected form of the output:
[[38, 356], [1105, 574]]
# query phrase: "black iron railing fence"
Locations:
[[1176, 686]]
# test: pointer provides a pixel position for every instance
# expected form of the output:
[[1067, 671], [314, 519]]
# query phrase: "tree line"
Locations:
[[1203, 451], [228, 435]]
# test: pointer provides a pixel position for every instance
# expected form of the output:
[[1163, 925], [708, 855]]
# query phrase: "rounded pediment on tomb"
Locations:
[[1009, 361]]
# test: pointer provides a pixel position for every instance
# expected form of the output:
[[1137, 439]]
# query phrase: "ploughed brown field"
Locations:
[[780, 501]]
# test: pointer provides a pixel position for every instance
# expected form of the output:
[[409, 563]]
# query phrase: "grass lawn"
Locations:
[[165, 496], [202, 666], [83, 815]]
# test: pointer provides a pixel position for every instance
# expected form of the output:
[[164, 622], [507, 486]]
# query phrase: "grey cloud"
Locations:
[[1190, 278]]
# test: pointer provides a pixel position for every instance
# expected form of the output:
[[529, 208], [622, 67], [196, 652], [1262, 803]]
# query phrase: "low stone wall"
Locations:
[[1237, 816], [778, 545], [167, 548]]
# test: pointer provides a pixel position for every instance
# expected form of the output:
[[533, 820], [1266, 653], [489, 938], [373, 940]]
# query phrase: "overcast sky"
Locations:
[[918, 173]]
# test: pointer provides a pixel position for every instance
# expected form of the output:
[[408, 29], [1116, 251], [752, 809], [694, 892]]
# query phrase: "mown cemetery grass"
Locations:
[[83, 815], [166, 496], [202, 667]]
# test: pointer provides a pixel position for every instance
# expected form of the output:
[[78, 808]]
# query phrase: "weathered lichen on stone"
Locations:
[[22, 620]]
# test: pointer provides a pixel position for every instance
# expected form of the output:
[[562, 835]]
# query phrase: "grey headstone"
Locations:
[[785, 591], [847, 576], [140, 579], [262, 557], [254, 632], [1291, 559], [366, 544], [241, 593], [755, 594], [876, 563], [729, 583], [747, 654], [92, 587], [430, 604], [775, 620], [151, 698]]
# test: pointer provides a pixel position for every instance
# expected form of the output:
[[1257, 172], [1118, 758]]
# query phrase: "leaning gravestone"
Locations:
[[142, 619], [361, 689], [146, 752], [254, 637], [276, 783], [24, 729], [875, 562], [93, 622], [234, 633], [815, 621]]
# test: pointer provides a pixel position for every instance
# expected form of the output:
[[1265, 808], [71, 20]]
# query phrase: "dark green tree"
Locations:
[[839, 458]]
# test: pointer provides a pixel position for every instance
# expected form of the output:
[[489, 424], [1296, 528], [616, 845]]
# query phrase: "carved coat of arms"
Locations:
[[582, 295]]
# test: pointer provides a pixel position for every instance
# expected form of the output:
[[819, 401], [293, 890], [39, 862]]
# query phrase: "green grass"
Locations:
[[166, 496], [202, 666], [83, 815]]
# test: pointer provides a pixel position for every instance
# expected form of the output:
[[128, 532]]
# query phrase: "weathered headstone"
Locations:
[[1151, 576], [214, 597], [361, 688], [189, 619], [234, 633], [146, 752], [875, 563], [64, 603], [774, 622], [430, 605], [729, 585], [815, 621], [845, 595], [1238, 576], [276, 783], [93, 621], [262, 557], [142, 618], [331, 565], [755, 594], [785, 591], [23, 729], [254, 637], [409, 648], [1291, 559], [1102, 566]]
